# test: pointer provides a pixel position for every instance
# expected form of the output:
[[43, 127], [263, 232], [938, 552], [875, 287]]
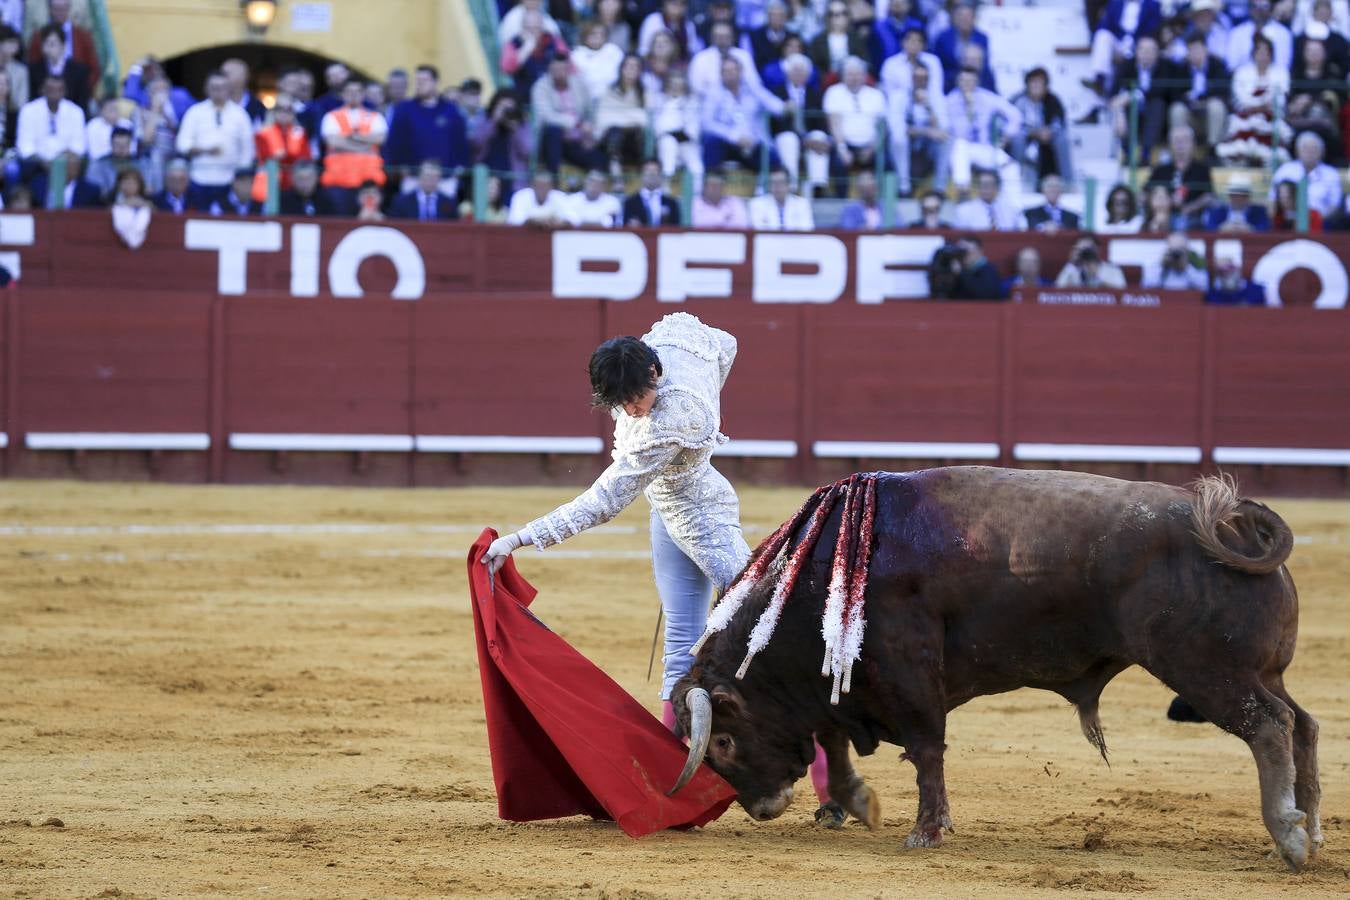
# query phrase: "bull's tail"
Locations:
[[1258, 541]]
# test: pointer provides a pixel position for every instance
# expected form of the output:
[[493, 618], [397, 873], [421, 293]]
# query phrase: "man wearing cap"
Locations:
[[1239, 215]]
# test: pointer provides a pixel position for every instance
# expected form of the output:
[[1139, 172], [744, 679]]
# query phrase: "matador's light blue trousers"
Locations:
[[686, 594]]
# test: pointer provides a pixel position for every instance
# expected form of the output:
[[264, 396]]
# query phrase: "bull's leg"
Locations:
[[847, 789], [1307, 785], [926, 754], [1266, 723]]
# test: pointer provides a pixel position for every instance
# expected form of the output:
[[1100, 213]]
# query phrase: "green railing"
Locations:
[[484, 14], [110, 79]]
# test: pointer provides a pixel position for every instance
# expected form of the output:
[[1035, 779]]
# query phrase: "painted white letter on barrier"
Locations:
[[571, 249], [304, 260], [876, 281], [828, 254], [377, 240], [676, 281], [1303, 254], [233, 241]]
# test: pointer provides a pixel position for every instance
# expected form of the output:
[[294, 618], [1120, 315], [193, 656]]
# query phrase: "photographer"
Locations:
[[502, 141], [944, 271], [1087, 269], [979, 280], [1179, 269]]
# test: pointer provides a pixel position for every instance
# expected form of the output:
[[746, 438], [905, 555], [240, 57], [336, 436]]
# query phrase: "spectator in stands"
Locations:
[[950, 45], [676, 128], [1122, 212], [236, 75], [799, 129], [1185, 175], [1161, 215], [979, 280], [540, 204], [1239, 215], [1180, 268], [428, 126], [673, 17], [973, 57], [292, 83], [238, 200], [426, 202], [596, 59], [733, 121], [1322, 26], [395, 91], [9, 114], [98, 130], [1285, 206], [806, 18], [80, 192], [766, 42], [1199, 97], [621, 117], [531, 54], [1255, 133], [1087, 269], [864, 213], [503, 142], [920, 133], [494, 214], [282, 141], [660, 61], [352, 137], [720, 12], [305, 197], [854, 109], [944, 270], [77, 45], [368, 198], [1317, 87], [19, 199], [1229, 288], [217, 136], [888, 30], [469, 100], [774, 75], [1042, 147], [174, 198], [780, 209], [1117, 35], [15, 67], [48, 127], [988, 211], [513, 22], [897, 74], [1027, 272], [1206, 24], [837, 42], [131, 209], [593, 206], [714, 208], [53, 61], [610, 13], [1050, 217], [158, 131], [1324, 182], [1142, 80], [930, 212], [981, 123], [705, 69], [1241, 44], [563, 110], [106, 170], [650, 205]]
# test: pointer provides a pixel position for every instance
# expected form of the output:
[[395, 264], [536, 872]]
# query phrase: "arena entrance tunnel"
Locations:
[[266, 62]]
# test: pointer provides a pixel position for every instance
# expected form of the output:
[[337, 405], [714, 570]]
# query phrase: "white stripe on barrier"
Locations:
[[755, 448], [1106, 453], [4, 439], [116, 440], [904, 450], [467, 443], [386, 443], [1281, 456]]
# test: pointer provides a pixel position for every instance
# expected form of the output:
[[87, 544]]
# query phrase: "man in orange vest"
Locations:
[[281, 139], [352, 136]]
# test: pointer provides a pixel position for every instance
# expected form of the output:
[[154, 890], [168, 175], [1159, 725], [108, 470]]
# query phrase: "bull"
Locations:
[[984, 580]]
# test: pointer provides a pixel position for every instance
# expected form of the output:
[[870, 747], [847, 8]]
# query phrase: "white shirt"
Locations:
[[131, 222], [598, 68], [976, 215], [603, 210], [98, 136], [526, 208], [897, 73], [45, 134], [205, 127], [794, 215], [858, 112], [1324, 185], [1240, 44], [705, 70]]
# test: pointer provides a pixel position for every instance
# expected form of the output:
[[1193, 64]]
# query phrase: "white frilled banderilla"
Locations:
[[778, 564]]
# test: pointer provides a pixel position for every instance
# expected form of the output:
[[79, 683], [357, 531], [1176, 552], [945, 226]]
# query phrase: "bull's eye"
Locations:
[[723, 742]]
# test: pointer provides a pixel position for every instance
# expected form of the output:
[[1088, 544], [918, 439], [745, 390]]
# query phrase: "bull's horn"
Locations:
[[700, 733]]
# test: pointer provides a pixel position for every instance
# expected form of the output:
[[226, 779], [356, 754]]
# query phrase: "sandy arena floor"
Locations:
[[273, 692]]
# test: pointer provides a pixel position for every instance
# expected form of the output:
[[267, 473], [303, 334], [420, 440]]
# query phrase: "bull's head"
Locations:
[[761, 754]]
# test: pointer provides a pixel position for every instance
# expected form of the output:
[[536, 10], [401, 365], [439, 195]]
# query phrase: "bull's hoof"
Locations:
[[1181, 711], [831, 815], [864, 806], [1292, 841], [924, 836]]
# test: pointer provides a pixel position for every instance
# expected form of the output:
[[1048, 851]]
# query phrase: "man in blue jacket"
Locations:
[[426, 127], [1122, 23], [950, 46], [1239, 214]]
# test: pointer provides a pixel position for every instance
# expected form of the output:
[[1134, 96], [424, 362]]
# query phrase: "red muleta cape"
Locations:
[[565, 739]]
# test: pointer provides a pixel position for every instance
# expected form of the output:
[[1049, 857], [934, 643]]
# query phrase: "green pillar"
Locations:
[[1089, 204], [56, 183], [480, 190], [1134, 137], [1301, 209], [272, 205]]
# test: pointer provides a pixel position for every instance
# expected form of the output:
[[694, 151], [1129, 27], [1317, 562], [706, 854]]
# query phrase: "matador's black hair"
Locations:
[[622, 370]]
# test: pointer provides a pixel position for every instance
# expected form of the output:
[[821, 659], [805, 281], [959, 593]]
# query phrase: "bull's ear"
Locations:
[[728, 701]]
